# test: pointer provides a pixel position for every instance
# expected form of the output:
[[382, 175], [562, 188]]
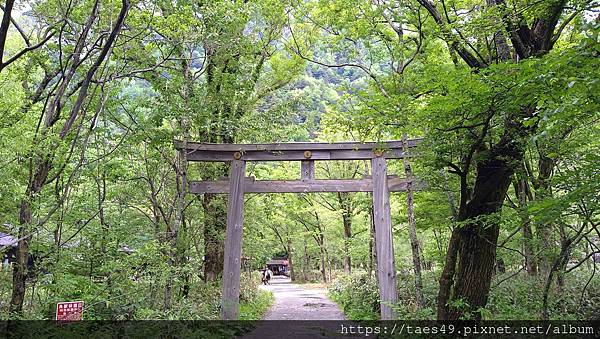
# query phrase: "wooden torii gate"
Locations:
[[379, 183]]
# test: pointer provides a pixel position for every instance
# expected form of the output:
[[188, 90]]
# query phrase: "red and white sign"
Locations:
[[69, 311]]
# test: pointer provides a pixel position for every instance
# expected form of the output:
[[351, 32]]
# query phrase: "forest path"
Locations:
[[294, 302]]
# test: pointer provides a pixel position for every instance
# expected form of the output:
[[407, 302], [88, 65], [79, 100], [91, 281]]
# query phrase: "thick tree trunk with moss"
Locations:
[[20, 265], [471, 256], [215, 223]]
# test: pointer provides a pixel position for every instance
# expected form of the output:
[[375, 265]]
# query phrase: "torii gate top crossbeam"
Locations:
[[294, 151]]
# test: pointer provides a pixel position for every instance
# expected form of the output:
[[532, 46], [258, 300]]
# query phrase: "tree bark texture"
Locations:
[[473, 244]]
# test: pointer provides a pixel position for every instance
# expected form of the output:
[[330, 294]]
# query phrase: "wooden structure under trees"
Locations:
[[379, 183]]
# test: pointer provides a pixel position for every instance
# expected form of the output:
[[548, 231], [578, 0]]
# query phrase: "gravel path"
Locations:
[[294, 302]]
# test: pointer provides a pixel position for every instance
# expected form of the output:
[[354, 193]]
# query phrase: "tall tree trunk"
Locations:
[[215, 222], [25, 234], [180, 166], [558, 265], [305, 263], [290, 259], [474, 243], [372, 252], [20, 265], [565, 242], [475, 266], [412, 228], [323, 257], [447, 276], [176, 252], [345, 203], [543, 190]]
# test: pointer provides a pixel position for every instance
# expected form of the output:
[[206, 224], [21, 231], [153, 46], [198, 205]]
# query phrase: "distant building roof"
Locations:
[[277, 262], [7, 240]]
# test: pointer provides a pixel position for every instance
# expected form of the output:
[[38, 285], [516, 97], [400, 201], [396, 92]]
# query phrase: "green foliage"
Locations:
[[256, 308], [512, 297], [357, 295], [517, 297], [111, 224]]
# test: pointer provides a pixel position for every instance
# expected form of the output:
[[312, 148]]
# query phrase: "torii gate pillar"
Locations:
[[384, 244], [233, 242]]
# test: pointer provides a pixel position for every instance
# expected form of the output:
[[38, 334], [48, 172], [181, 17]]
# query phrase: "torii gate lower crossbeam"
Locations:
[[379, 183]]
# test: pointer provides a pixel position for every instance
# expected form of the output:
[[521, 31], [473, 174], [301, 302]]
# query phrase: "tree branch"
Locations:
[[468, 58], [4, 26], [92, 71]]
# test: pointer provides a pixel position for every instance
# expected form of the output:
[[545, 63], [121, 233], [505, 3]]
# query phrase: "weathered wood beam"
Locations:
[[230, 297], [200, 155], [294, 151], [294, 146], [395, 184], [384, 246], [307, 170]]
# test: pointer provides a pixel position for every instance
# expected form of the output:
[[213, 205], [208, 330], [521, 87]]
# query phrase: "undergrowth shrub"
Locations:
[[520, 297], [357, 294], [132, 287], [517, 298], [310, 276]]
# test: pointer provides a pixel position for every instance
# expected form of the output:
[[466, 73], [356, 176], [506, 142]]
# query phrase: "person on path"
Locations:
[[267, 274]]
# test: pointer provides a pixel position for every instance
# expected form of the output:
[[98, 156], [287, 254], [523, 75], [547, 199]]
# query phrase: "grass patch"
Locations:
[[256, 308]]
